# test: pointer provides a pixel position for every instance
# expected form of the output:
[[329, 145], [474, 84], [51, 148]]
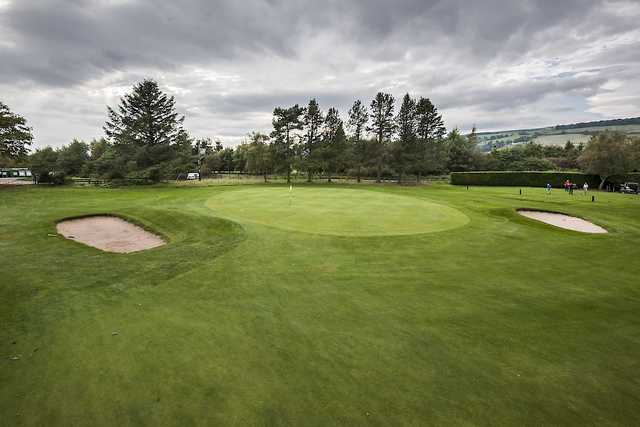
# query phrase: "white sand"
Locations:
[[109, 233], [564, 221]]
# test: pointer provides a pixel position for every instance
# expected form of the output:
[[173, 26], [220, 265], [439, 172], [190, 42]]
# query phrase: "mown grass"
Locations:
[[500, 321]]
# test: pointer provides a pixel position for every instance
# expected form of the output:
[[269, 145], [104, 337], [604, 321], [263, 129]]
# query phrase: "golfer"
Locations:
[[585, 187]]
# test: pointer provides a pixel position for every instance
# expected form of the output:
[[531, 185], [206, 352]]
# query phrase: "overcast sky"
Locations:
[[496, 64]]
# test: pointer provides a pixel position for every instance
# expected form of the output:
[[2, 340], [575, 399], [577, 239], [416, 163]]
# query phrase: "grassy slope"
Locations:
[[502, 321]]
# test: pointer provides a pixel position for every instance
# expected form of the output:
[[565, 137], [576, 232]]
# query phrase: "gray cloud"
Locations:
[[229, 63]]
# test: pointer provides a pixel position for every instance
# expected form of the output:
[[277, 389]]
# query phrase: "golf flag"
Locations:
[[290, 193]]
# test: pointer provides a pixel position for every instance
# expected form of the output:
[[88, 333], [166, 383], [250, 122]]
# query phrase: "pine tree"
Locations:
[[383, 126], [285, 122], [358, 118], [312, 124], [473, 136], [145, 117], [334, 142], [405, 148], [15, 135], [430, 132]]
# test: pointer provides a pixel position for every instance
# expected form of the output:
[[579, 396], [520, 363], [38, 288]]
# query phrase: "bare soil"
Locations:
[[109, 233]]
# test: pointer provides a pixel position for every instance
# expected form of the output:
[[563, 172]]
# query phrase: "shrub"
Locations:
[[523, 179]]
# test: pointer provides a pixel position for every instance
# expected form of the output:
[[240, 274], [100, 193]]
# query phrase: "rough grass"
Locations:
[[503, 321]]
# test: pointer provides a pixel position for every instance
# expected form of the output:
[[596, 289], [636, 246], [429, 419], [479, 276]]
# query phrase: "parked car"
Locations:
[[630, 188], [193, 175]]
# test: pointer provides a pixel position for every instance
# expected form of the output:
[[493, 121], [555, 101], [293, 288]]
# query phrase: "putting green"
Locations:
[[332, 211]]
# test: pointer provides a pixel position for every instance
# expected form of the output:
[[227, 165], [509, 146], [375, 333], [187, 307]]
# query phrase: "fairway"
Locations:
[[332, 211], [424, 305]]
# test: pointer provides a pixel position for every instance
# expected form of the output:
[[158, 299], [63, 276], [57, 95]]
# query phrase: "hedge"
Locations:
[[523, 179]]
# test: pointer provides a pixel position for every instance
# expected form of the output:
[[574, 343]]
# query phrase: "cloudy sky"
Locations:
[[494, 63]]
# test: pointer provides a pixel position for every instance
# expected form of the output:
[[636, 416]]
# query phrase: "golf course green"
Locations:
[[333, 305], [340, 212]]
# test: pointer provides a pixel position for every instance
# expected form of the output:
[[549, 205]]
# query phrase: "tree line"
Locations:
[[145, 139]]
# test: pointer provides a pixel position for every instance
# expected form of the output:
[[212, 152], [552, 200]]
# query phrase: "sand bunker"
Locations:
[[564, 221], [109, 233]]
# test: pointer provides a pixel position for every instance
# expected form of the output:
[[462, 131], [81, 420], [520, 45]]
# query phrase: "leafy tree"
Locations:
[[430, 130], [15, 135], [634, 154], [382, 126], [259, 154], [312, 121], [461, 152], [72, 158], [218, 146], [285, 122], [240, 157], [606, 154], [405, 150], [226, 158], [213, 161], [43, 163], [200, 150], [357, 122]]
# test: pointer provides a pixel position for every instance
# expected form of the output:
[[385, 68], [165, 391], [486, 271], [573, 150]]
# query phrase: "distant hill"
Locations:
[[577, 133], [601, 123]]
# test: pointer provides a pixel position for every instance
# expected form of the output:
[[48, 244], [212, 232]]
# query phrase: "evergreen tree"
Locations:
[[312, 125], [405, 150], [382, 126], [285, 122], [473, 136], [145, 117], [461, 152], [15, 135], [334, 142], [430, 130], [358, 118]]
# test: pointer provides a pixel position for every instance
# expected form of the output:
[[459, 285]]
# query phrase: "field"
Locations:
[[550, 135], [575, 138], [329, 305]]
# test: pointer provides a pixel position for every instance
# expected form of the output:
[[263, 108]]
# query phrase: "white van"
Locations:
[[193, 175]]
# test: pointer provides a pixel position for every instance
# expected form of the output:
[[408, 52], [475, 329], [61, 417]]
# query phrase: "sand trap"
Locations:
[[564, 221], [109, 233]]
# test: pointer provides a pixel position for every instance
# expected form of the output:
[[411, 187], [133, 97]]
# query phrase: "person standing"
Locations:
[[585, 187], [548, 188]]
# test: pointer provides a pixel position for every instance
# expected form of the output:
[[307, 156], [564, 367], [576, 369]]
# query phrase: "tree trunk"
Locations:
[[309, 176], [400, 177], [265, 177], [418, 178], [379, 172], [358, 175], [288, 174], [602, 181]]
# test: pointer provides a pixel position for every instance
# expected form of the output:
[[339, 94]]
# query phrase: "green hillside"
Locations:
[[577, 133]]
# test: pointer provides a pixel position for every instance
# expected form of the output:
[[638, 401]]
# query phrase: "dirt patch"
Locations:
[[563, 221], [109, 233]]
